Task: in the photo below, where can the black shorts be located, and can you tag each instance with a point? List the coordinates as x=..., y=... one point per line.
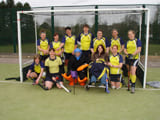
x=49, y=78
x=67, y=56
x=115, y=78
x=43, y=57
x=131, y=62
x=87, y=53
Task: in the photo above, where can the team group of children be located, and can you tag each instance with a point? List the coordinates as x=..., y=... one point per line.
x=82, y=53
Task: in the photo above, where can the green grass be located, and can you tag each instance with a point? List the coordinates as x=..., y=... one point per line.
x=154, y=49
x=27, y=102
x=30, y=48
x=26, y=48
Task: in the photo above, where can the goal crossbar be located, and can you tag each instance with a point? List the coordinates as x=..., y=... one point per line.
x=84, y=10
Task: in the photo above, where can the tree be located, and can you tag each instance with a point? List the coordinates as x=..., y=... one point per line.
x=19, y=5
x=10, y=3
x=2, y=4
x=27, y=6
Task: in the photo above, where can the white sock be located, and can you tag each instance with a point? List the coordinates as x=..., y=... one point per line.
x=113, y=87
x=118, y=88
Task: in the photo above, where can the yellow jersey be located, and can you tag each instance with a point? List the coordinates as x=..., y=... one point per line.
x=132, y=46
x=43, y=45
x=85, y=40
x=56, y=45
x=53, y=64
x=115, y=60
x=96, y=42
x=69, y=43
x=119, y=42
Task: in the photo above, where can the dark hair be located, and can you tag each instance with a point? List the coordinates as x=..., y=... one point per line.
x=67, y=28
x=115, y=46
x=86, y=25
x=103, y=52
x=99, y=31
x=55, y=34
x=132, y=31
x=114, y=30
x=51, y=49
x=42, y=31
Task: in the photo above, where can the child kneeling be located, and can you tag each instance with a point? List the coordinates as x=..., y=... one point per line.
x=36, y=70
x=52, y=65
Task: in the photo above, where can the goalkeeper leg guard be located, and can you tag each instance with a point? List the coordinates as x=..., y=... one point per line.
x=69, y=78
x=82, y=67
x=83, y=81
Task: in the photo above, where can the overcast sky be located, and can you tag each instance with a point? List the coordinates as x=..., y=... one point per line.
x=39, y=3
x=65, y=21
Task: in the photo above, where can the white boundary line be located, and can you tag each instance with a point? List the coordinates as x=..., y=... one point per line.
x=124, y=88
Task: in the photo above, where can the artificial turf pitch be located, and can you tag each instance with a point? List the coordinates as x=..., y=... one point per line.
x=26, y=102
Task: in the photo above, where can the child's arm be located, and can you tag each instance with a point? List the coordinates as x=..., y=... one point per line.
x=117, y=66
x=40, y=49
x=28, y=74
x=40, y=75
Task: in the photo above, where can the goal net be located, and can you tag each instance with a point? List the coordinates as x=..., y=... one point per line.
x=55, y=20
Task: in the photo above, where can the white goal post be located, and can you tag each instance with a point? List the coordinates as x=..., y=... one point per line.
x=146, y=10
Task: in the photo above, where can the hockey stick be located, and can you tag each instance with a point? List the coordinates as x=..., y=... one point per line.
x=107, y=85
x=67, y=90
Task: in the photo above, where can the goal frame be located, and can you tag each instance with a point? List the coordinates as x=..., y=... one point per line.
x=146, y=10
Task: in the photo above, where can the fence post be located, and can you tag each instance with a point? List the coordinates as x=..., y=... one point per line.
x=14, y=33
x=52, y=21
x=143, y=30
x=96, y=20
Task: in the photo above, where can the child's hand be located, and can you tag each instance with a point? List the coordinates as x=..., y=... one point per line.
x=37, y=81
x=53, y=78
x=57, y=49
x=27, y=75
x=73, y=53
x=45, y=52
x=110, y=64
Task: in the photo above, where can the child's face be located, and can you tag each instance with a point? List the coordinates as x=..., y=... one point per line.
x=56, y=37
x=114, y=49
x=52, y=53
x=100, y=49
x=131, y=35
x=37, y=60
x=68, y=32
x=114, y=33
x=85, y=29
x=99, y=34
x=43, y=36
x=77, y=54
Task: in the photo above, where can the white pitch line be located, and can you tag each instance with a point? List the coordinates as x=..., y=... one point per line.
x=27, y=83
x=15, y=82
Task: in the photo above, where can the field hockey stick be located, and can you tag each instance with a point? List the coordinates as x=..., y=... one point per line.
x=67, y=90
x=74, y=76
x=42, y=86
x=107, y=85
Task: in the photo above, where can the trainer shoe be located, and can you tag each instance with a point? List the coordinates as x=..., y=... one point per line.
x=102, y=86
x=93, y=84
x=133, y=90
